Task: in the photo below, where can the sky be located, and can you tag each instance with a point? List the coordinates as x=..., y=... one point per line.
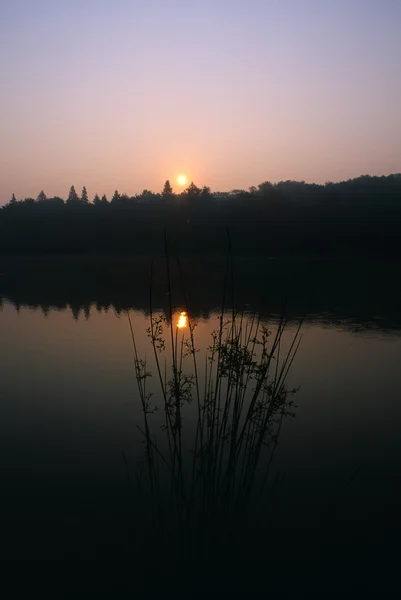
x=124, y=94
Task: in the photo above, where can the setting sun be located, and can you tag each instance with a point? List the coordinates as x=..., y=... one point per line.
x=182, y=179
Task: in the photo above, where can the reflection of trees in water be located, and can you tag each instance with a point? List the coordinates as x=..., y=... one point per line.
x=342, y=292
x=339, y=318
x=209, y=450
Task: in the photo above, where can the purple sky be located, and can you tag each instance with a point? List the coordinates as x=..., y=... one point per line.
x=128, y=93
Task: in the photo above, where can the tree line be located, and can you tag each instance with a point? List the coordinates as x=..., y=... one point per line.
x=74, y=199
x=364, y=189
x=361, y=215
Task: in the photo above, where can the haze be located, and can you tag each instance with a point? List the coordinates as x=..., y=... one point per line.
x=126, y=94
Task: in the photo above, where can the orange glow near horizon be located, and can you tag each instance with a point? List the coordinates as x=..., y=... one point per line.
x=182, y=111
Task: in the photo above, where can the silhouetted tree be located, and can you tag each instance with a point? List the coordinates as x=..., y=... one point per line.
x=84, y=196
x=72, y=196
x=220, y=195
x=351, y=217
x=238, y=192
x=265, y=188
x=41, y=197
x=13, y=199
x=167, y=193
x=192, y=191
x=116, y=198
x=206, y=192
x=148, y=196
x=56, y=200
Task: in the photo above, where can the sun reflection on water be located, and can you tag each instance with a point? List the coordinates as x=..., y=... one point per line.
x=182, y=320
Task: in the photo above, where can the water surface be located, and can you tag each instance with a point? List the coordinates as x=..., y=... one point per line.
x=69, y=410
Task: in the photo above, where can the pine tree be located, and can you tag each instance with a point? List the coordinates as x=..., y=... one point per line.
x=116, y=198
x=96, y=200
x=167, y=192
x=104, y=199
x=41, y=197
x=72, y=196
x=84, y=196
x=13, y=199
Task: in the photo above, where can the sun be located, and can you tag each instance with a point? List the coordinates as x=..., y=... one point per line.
x=182, y=179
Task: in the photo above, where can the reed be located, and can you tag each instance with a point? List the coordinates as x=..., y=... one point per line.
x=222, y=411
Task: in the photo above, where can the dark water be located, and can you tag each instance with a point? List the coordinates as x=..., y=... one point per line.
x=69, y=407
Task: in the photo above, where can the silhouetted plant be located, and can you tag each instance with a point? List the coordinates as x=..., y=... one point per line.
x=240, y=396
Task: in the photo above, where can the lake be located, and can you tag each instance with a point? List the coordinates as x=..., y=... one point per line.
x=70, y=445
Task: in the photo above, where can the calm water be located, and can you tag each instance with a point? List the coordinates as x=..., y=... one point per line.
x=69, y=406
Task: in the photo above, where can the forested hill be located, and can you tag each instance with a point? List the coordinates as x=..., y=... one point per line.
x=359, y=216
